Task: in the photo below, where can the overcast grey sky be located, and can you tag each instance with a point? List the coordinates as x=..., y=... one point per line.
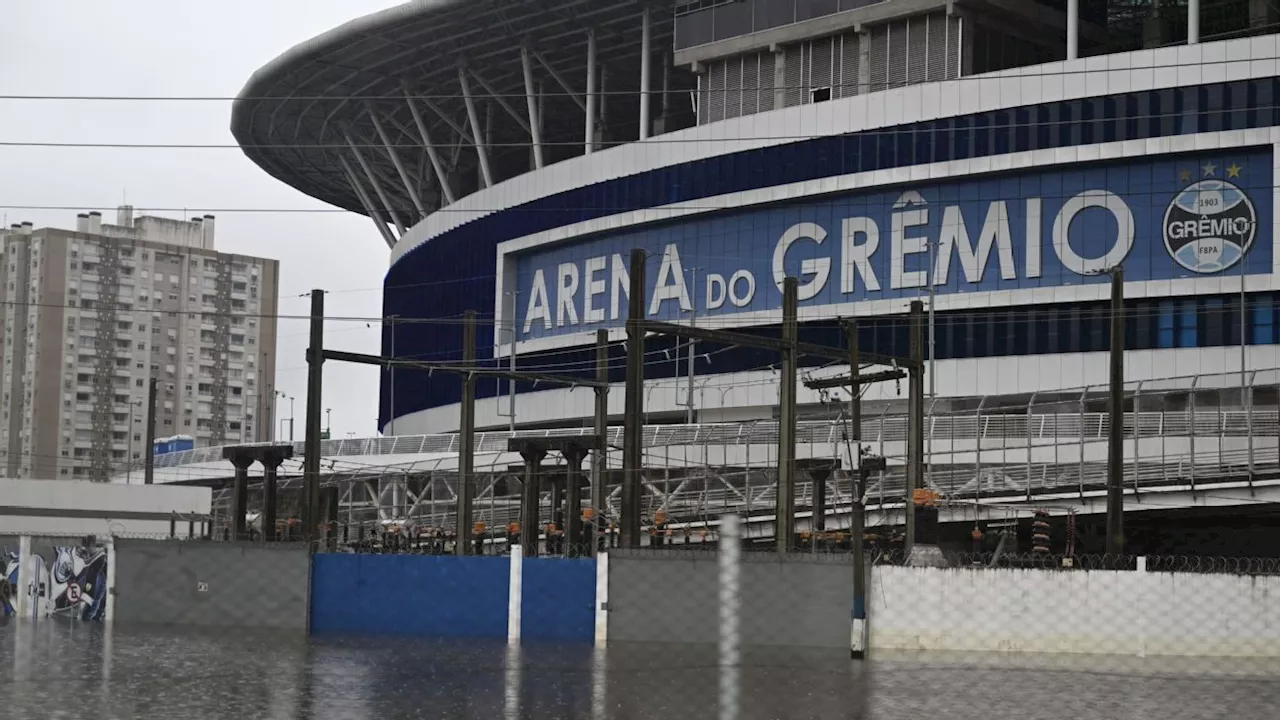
x=163, y=47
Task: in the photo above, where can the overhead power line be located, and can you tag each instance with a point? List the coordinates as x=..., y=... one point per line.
x=888, y=131
x=520, y=94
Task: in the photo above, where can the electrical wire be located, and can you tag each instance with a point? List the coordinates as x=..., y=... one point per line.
x=657, y=140
x=1013, y=73
x=601, y=211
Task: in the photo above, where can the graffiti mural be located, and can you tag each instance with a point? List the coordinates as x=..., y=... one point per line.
x=75, y=581
x=57, y=579
x=9, y=581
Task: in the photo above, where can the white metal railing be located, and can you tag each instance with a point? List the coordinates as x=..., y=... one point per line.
x=707, y=493
x=1059, y=427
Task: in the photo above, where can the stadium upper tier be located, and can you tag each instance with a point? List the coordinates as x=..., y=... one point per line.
x=380, y=115
x=400, y=113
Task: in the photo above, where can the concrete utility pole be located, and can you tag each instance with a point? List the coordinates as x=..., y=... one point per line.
x=598, y=472
x=857, y=511
x=311, y=445
x=633, y=414
x=915, y=424
x=785, y=519
x=1115, y=435
x=149, y=464
x=467, y=438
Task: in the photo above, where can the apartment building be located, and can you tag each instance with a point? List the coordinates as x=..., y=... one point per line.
x=91, y=315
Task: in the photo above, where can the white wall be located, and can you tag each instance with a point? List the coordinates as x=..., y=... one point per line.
x=1044, y=611
x=62, y=507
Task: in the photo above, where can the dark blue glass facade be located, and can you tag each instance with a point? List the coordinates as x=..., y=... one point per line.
x=454, y=271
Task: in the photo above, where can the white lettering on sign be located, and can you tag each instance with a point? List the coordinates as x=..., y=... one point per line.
x=716, y=291
x=817, y=268
x=566, y=289
x=1209, y=228
x=856, y=255
x=591, y=313
x=538, y=308
x=742, y=288
x=621, y=286
x=670, y=284
x=973, y=261
x=1108, y=201
x=1033, y=237
x=579, y=287
x=901, y=244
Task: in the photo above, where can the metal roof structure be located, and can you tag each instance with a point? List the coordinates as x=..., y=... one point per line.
x=381, y=115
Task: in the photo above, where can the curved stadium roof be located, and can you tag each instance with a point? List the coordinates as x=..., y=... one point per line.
x=298, y=116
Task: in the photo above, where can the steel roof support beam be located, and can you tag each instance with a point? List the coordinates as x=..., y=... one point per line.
x=478, y=136
x=646, y=82
x=373, y=180
x=440, y=113
x=442, y=178
x=531, y=97
x=590, y=142
x=501, y=99
x=559, y=79
x=395, y=160
x=373, y=213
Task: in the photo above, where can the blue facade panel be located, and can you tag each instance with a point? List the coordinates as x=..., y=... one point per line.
x=411, y=595
x=1164, y=218
x=454, y=272
x=558, y=599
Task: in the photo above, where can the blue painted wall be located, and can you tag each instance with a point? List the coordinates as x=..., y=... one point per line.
x=410, y=595
x=558, y=599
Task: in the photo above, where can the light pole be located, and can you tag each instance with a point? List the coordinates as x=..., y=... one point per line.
x=285, y=396
x=128, y=473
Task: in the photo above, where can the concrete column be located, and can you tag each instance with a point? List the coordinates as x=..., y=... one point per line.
x=529, y=520
x=270, y=472
x=240, y=497
x=328, y=516
x=780, y=76
x=557, y=512
x=574, y=456
x=820, y=474
x=1193, y=22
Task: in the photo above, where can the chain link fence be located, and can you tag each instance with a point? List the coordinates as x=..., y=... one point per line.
x=720, y=626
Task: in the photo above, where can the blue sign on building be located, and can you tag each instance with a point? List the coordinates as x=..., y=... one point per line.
x=1163, y=218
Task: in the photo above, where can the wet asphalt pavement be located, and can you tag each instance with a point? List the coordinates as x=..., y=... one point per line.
x=59, y=669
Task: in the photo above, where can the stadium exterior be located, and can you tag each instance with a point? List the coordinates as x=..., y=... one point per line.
x=859, y=149
x=994, y=159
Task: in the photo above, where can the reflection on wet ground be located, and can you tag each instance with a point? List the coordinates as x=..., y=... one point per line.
x=62, y=670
